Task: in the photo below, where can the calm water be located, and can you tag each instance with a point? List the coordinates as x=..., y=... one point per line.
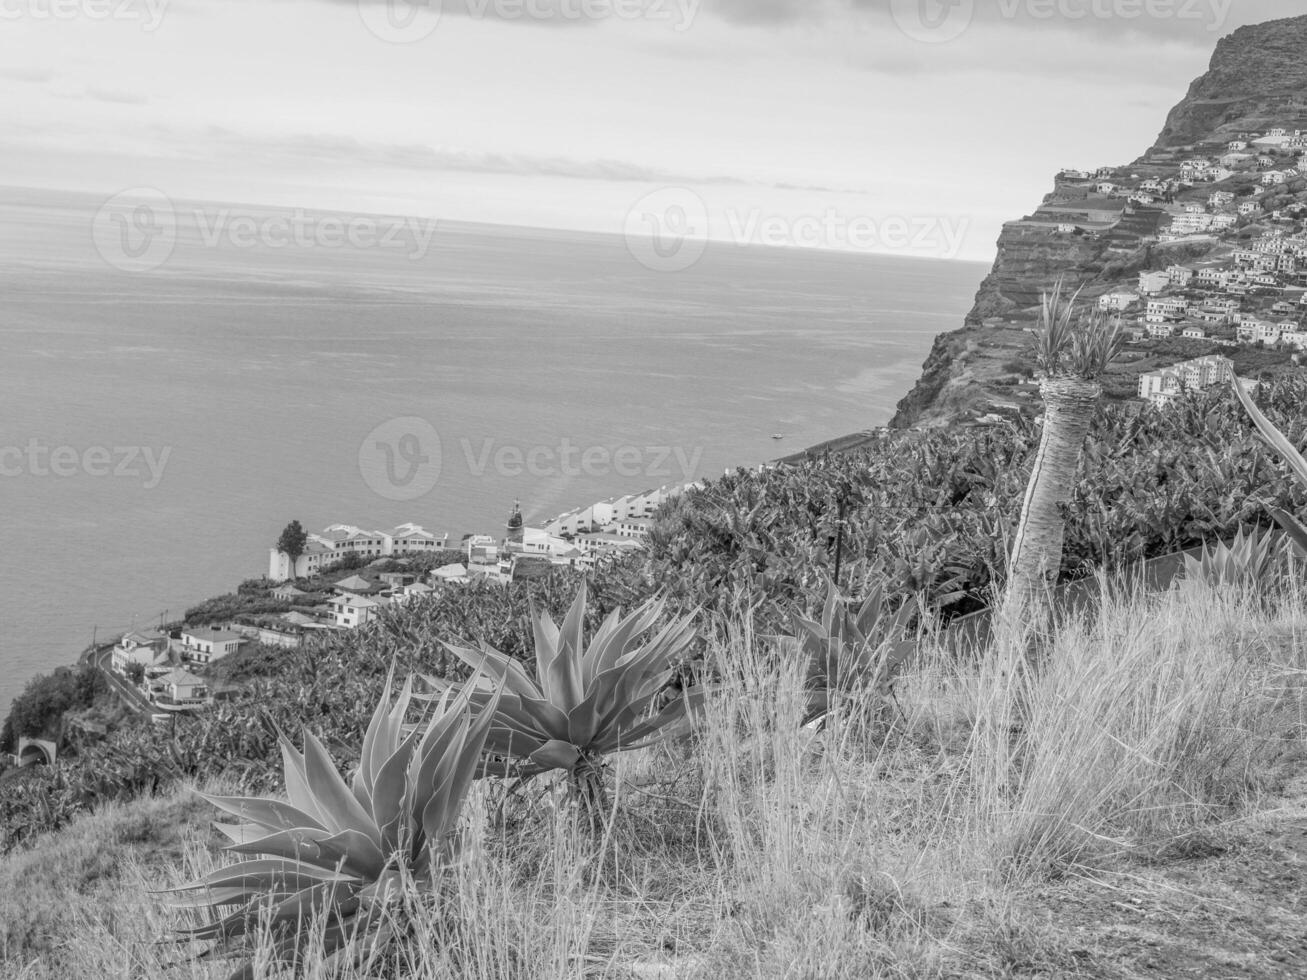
x=193, y=410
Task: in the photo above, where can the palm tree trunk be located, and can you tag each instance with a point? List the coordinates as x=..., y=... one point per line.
x=1069, y=405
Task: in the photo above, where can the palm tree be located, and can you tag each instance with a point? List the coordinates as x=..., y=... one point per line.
x=1072, y=352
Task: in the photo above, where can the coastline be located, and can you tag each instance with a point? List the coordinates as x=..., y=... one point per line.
x=841, y=444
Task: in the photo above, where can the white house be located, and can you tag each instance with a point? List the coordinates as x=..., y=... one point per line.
x=1252, y=331
x=481, y=549
x=144, y=647
x=1117, y=302
x=1191, y=223
x=180, y=689
x=413, y=539
x=574, y=522
x=1161, y=387
x=203, y=646
x=352, y=611
x=316, y=557
x=635, y=527
x=1295, y=338
x=450, y=573
x=1164, y=310
x=537, y=541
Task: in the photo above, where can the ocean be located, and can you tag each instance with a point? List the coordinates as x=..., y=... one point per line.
x=161, y=423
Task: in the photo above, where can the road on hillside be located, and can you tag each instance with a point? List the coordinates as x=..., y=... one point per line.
x=102, y=660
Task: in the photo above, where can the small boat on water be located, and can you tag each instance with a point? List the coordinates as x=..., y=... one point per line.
x=777, y=435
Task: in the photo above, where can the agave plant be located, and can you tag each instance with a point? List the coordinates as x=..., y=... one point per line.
x=852, y=648
x=585, y=703
x=335, y=855
x=1248, y=561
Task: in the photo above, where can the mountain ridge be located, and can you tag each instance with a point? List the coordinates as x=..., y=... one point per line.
x=1257, y=77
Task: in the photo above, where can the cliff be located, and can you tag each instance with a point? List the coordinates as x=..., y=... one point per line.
x=1257, y=76
x=1257, y=81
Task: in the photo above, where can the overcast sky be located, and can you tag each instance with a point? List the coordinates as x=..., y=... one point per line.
x=809, y=121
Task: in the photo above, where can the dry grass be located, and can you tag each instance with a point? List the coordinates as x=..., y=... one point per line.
x=894, y=841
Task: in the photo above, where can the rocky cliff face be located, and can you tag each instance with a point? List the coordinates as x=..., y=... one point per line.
x=1257, y=79
x=1257, y=76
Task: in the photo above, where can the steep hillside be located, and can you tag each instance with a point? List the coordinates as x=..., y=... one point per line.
x=1258, y=76
x=1101, y=228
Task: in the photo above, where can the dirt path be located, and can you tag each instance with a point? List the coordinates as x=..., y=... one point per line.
x=1235, y=906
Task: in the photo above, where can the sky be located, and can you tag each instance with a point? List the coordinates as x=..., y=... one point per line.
x=913, y=127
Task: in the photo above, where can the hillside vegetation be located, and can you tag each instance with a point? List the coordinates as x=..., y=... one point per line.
x=832, y=801
x=1143, y=823
x=928, y=515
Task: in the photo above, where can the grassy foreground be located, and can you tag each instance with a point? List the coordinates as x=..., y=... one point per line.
x=1140, y=811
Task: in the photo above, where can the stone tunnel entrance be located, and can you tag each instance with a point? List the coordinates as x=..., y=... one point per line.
x=34, y=751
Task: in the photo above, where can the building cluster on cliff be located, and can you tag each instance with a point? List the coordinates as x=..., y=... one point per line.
x=1214, y=240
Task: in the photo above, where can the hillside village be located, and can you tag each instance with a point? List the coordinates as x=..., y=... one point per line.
x=1233, y=215
x=1200, y=249
x=348, y=575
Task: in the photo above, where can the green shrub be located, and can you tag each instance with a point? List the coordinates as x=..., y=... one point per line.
x=38, y=711
x=224, y=608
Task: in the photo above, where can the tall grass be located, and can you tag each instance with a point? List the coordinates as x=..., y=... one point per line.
x=891, y=841
x=1148, y=722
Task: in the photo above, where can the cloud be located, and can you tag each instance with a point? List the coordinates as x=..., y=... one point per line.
x=1189, y=22
x=1196, y=23
x=764, y=11
x=33, y=76
x=116, y=97
x=305, y=151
